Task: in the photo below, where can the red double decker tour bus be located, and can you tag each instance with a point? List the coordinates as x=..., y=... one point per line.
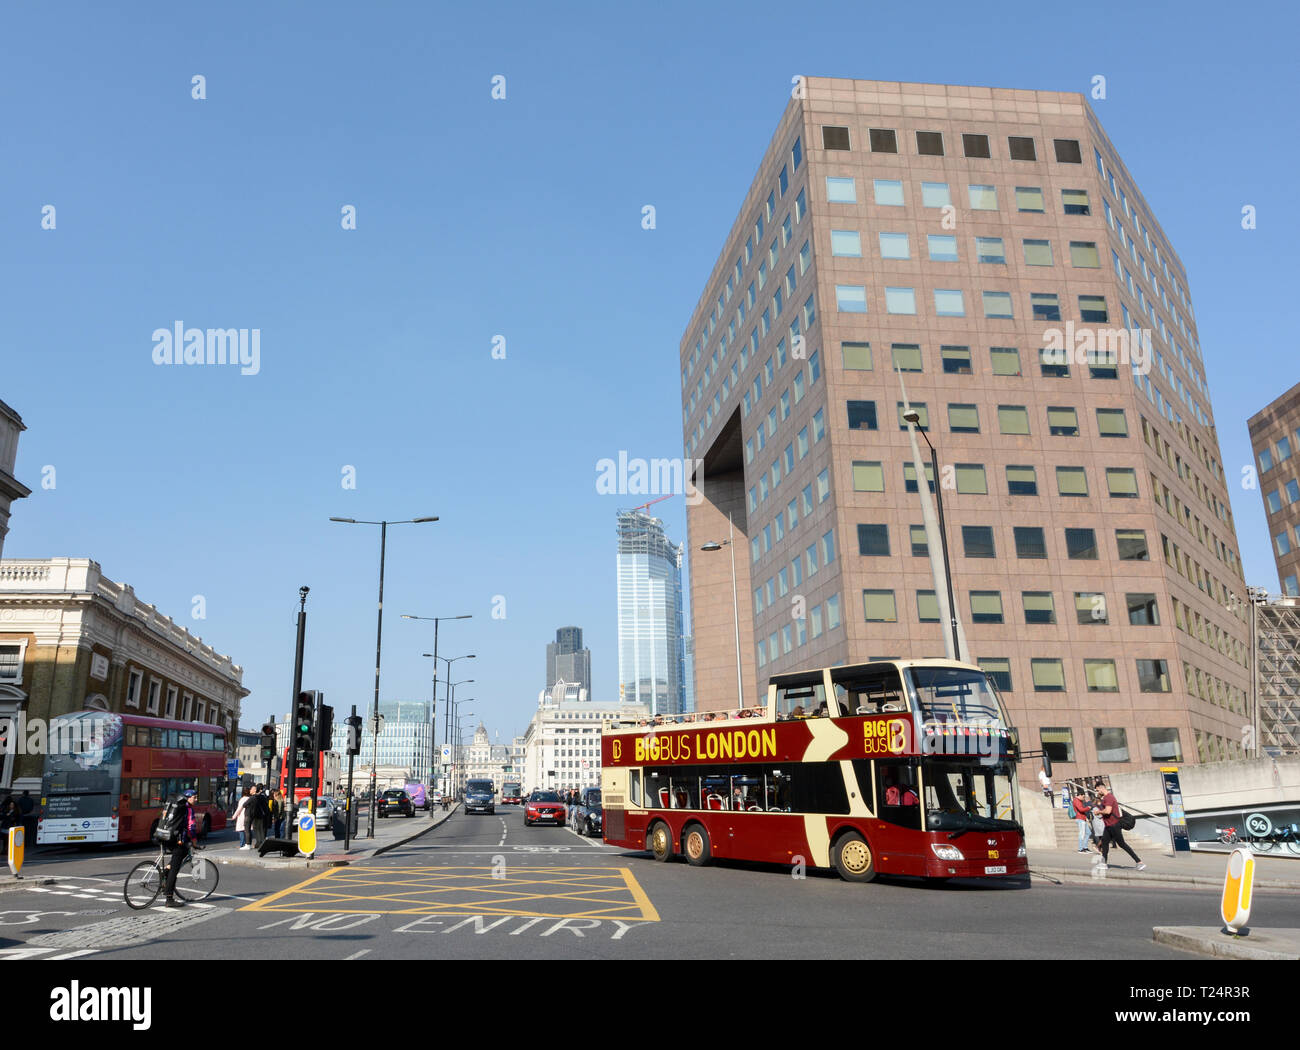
x=900, y=767
x=108, y=776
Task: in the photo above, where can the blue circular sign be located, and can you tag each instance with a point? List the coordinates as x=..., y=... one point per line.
x=306, y=822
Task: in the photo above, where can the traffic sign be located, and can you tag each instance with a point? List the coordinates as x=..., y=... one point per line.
x=16, y=850
x=232, y=769
x=1237, y=885
x=307, y=833
x=446, y=756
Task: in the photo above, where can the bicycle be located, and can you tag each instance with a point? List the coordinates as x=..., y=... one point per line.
x=1284, y=836
x=1228, y=836
x=195, y=882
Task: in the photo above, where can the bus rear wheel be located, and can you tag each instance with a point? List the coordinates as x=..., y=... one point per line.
x=853, y=859
x=695, y=844
x=660, y=842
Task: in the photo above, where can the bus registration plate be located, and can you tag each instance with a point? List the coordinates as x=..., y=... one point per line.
x=996, y=869
x=73, y=838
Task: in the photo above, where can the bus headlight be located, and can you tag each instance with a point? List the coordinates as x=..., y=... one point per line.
x=946, y=852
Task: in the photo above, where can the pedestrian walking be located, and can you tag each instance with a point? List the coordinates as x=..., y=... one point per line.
x=241, y=818
x=259, y=815
x=1111, y=815
x=10, y=816
x=1045, y=780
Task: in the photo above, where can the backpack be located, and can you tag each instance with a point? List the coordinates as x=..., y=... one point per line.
x=1126, y=820
x=168, y=831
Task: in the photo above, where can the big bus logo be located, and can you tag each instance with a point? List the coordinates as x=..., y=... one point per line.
x=618, y=750
x=884, y=737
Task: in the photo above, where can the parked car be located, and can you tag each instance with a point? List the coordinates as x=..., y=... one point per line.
x=585, y=817
x=543, y=805
x=395, y=800
x=324, y=813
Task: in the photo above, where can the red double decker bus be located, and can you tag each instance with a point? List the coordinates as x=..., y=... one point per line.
x=108, y=776
x=903, y=767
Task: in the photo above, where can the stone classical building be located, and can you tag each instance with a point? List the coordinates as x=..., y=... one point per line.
x=562, y=742
x=11, y=425
x=989, y=248
x=71, y=639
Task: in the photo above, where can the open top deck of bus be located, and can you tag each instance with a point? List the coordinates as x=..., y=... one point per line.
x=875, y=687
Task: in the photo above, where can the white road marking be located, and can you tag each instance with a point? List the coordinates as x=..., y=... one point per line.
x=357, y=955
x=504, y=831
x=73, y=955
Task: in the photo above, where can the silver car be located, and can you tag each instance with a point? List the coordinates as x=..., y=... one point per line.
x=324, y=812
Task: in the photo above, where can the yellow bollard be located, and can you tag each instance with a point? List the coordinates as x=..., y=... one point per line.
x=16, y=851
x=1237, y=885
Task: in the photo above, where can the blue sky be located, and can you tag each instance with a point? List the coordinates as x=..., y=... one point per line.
x=476, y=218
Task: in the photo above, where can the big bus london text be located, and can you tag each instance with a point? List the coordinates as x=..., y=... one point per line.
x=891, y=767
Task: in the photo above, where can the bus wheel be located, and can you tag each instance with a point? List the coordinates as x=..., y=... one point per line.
x=660, y=842
x=852, y=858
x=695, y=844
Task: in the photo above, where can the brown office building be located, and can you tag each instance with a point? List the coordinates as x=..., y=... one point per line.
x=989, y=247
x=1275, y=440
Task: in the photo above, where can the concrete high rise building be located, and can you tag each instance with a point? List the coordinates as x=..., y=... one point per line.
x=1275, y=440
x=567, y=660
x=989, y=248
x=650, y=653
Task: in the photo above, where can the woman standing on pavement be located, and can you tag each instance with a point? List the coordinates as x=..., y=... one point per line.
x=241, y=819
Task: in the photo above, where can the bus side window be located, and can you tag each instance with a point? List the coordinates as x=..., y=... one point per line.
x=634, y=786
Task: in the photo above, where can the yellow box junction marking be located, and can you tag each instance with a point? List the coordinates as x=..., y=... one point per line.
x=546, y=892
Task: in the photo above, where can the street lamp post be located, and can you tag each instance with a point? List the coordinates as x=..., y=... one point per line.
x=915, y=419
x=379, y=638
x=451, y=701
x=713, y=545
x=433, y=713
x=460, y=746
x=448, y=661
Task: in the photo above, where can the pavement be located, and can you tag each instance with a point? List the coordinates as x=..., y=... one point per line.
x=389, y=833
x=1164, y=867
x=1195, y=869
x=224, y=849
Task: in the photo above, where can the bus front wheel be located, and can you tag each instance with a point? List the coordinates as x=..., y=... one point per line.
x=695, y=844
x=853, y=859
x=660, y=842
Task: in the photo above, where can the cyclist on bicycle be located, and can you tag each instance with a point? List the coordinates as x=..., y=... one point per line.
x=182, y=848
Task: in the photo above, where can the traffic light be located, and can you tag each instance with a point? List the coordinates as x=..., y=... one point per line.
x=325, y=728
x=268, y=741
x=304, y=719
x=354, y=734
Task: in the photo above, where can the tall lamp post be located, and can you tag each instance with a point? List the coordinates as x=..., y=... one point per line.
x=433, y=713
x=915, y=419
x=448, y=662
x=460, y=742
x=379, y=637
x=713, y=545
x=451, y=702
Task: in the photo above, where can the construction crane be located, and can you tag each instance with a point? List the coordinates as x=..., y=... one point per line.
x=643, y=506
